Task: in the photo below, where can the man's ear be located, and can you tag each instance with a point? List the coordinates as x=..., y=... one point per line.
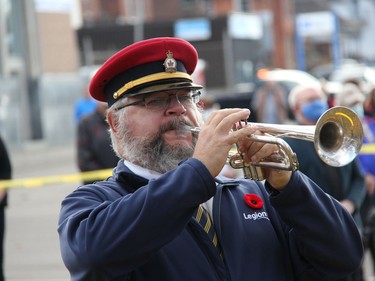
x=112, y=120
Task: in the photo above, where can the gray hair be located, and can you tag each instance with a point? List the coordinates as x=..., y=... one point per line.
x=299, y=90
x=117, y=115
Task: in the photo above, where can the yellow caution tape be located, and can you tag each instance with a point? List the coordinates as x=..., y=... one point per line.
x=69, y=178
x=95, y=175
x=368, y=148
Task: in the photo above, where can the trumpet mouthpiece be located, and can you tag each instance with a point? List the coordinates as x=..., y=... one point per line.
x=195, y=130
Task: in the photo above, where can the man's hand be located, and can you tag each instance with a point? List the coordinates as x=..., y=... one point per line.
x=254, y=152
x=216, y=138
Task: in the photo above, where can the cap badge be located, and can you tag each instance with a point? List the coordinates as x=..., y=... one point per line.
x=170, y=63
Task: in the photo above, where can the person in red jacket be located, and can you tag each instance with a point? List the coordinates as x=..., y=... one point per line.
x=145, y=222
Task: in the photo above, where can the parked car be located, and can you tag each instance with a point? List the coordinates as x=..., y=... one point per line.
x=288, y=78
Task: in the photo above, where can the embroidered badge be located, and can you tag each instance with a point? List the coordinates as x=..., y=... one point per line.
x=253, y=200
x=170, y=63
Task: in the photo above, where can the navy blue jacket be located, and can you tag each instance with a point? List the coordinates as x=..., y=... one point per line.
x=348, y=184
x=128, y=228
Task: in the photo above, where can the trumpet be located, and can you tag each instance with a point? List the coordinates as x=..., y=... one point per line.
x=337, y=138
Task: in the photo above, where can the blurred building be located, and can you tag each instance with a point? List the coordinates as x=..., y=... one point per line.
x=48, y=47
x=39, y=64
x=58, y=43
x=234, y=37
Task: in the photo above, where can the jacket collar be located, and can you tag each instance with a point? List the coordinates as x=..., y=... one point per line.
x=127, y=179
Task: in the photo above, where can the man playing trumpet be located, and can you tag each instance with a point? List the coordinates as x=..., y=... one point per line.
x=143, y=223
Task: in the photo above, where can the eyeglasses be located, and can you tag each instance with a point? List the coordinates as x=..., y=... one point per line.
x=162, y=101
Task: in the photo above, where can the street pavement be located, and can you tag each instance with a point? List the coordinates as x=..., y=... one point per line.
x=31, y=244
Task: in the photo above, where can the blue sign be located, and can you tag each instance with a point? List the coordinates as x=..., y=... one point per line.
x=193, y=29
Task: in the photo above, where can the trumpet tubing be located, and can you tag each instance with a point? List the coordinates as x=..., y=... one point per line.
x=337, y=138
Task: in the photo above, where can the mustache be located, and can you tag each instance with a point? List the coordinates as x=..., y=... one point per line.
x=179, y=124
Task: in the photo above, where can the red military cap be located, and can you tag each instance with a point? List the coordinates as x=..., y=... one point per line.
x=148, y=66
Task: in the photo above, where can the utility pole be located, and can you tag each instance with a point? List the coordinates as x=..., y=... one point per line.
x=135, y=13
x=4, y=40
x=26, y=49
x=278, y=11
x=139, y=22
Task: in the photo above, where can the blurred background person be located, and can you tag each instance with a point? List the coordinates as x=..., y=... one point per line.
x=5, y=174
x=369, y=104
x=271, y=103
x=85, y=105
x=346, y=184
x=94, y=150
x=352, y=97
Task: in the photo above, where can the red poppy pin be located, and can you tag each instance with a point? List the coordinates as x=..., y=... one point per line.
x=253, y=200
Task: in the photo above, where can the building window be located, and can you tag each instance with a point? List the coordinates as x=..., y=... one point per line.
x=198, y=7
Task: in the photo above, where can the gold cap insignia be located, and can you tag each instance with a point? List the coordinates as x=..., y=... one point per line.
x=170, y=63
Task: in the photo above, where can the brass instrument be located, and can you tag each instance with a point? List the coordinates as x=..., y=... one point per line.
x=337, y=138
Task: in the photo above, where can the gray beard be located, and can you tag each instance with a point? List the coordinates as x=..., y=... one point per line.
x=154, y=153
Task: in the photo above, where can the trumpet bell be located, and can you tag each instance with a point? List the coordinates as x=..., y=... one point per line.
x=338, y=136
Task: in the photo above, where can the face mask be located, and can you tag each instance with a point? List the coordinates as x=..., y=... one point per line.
x=314, y=110
x=358, y=109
